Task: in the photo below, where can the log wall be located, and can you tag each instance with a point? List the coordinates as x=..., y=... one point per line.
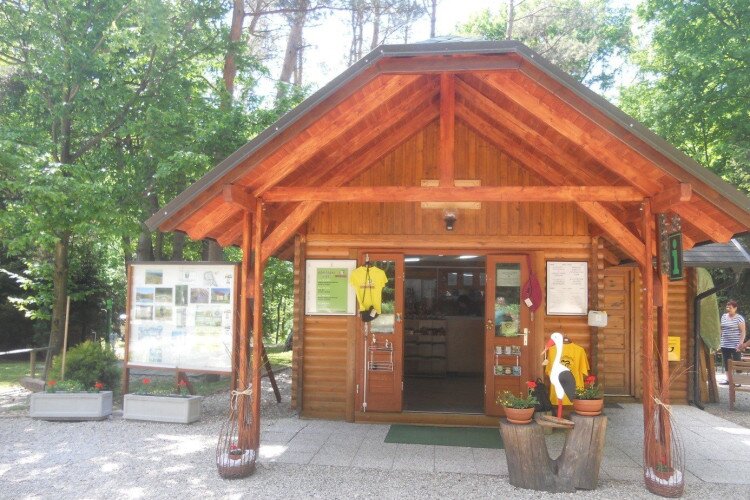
x=546, y=231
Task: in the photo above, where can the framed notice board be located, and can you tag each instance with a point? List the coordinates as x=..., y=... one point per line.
x=327, y=288
x=567, y=288
x=181, y=315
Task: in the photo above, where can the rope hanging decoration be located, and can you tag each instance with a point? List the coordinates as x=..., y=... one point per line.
x=235, y=453
x=663, y=453
x=235, y=456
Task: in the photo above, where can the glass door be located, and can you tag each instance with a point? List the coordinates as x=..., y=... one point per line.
x=507, y=356
x=380, y=342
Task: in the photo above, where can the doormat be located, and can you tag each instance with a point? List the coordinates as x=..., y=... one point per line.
x=470, y=437
x=612, y=405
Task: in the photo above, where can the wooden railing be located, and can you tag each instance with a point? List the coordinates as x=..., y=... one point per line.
x=32, y=356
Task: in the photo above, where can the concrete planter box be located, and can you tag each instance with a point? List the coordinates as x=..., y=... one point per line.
x=175, y=409
x=71, y=406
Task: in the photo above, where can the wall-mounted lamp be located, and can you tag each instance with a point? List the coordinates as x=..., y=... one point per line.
x=449, y=216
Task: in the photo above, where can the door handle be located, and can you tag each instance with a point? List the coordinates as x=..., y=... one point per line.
x=525, y=336
x=490, y=325
x=398, y=317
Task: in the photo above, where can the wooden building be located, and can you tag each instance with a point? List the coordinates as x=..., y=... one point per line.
x=529, y=169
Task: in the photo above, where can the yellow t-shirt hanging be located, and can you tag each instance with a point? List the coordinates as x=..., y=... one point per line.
x=369, y=291
x=573, y=357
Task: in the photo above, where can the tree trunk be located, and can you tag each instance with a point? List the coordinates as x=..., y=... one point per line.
x=212, y=251
x=511, y=17
x=145, y=251
x=178, y=245
x=376, y=15
x=60, y=292
x=159, y=246
x=235, y=35
x=433, y=18
x=126, y=249
x=294, y=44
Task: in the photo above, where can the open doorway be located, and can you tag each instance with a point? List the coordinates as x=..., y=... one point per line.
x=444, y=301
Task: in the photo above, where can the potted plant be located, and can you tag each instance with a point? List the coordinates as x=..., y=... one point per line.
x=236, y=462
x=160, y=404
x=589, y=400
x=519, y=409
x=72, y=401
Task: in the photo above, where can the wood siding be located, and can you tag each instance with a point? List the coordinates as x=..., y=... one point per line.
x=476, y=159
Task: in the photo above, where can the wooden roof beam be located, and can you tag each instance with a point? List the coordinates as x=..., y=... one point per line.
x=676, y=194
x=446, y=165
x=238, y=195
x=396, y=194
x=442, y=63
x=557, y=114
x=712, y=228
x=474, y=93
x=614, y=229
x=363, y=122
x=411, y=122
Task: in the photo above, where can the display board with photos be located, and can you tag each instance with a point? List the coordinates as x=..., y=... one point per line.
x=181, y=316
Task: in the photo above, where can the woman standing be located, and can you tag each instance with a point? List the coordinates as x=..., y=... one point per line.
x=732, y=335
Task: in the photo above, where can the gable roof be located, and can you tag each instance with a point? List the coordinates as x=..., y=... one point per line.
x=504, y=77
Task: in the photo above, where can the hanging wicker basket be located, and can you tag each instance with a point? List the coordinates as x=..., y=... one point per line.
x=235, y=455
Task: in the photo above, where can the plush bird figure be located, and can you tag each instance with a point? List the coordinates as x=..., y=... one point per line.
x=560, y=376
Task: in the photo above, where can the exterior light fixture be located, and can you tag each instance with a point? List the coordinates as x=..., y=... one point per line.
x=449, y=216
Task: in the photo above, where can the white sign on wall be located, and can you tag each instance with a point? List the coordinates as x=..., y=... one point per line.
x=567, y=288
x=181, y=316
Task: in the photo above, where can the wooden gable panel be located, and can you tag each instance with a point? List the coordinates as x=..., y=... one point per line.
x=417, y=159
x=363, y=113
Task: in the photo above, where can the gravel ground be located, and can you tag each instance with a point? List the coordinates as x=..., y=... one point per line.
x=127, y=459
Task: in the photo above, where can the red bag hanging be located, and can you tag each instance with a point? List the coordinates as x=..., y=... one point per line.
x=531, y=292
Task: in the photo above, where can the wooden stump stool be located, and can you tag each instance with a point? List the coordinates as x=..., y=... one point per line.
x=529, y=463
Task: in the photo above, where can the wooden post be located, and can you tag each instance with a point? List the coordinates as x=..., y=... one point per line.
x=32, y=363
x=65, y=337
x=257, y=321
x=245, y=433
x=125, y=381
x=647, y=274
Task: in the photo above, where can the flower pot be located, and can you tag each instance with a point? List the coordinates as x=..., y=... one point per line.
x=71, y=406
x=175, y=409
x=519, y=415
x=588, y=407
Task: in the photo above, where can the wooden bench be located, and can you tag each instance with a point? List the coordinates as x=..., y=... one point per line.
x=738, y=372
x=577, y=467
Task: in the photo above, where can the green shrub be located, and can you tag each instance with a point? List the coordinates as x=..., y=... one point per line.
x=88, y=363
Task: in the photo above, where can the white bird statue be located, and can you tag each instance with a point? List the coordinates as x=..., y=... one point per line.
x=560, y=376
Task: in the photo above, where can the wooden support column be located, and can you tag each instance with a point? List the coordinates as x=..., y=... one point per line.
x=663, y=322
x=257, y=321
x=245, y=433
x=647, y=274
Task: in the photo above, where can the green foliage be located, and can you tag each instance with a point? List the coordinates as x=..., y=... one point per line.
x=510, y=400
x=88, y=363
x=695, y=76
x=65, y=386
x=278, y=299
x=583, y=37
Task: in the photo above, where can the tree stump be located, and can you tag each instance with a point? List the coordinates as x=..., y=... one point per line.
x=529, y=463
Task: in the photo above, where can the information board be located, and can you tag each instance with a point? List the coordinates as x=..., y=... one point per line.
x=181, y=315
x=327, y=288
x=567, y=288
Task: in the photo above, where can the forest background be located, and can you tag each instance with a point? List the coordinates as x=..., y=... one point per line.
x=110, y=108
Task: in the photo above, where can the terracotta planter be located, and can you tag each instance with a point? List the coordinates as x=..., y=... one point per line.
x=588, y=407
x=519, y=415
